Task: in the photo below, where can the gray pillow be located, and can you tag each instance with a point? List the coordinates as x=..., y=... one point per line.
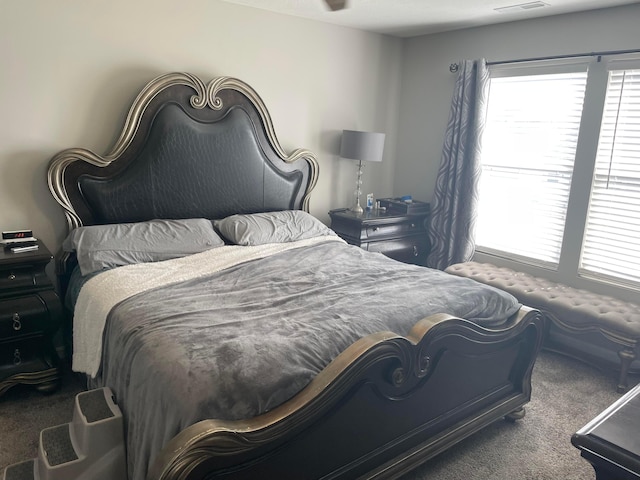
x=106, y=246
x=271, y=227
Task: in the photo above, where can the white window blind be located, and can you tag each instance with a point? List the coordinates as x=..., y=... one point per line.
x=611, y=246
x=528, y=153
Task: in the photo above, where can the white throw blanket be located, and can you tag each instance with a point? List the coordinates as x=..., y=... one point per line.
x=102, y=292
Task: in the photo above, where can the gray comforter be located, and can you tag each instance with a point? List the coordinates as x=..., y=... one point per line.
x=244, y=340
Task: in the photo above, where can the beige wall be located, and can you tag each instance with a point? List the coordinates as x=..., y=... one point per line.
x=70, y=68
x=427, y=84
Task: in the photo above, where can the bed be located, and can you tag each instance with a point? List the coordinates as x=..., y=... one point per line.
x=267, y=347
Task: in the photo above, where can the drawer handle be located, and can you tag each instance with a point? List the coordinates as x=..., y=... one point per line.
x=17, y=324
x=17, y=359
x=375, y=229
x=415, y=251
x=12, y=276
x=413, y=225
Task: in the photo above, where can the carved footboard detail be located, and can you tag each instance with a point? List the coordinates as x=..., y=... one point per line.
x=385, y=405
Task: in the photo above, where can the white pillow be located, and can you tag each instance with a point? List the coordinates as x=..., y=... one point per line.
x=271, y=227
x=106, y=246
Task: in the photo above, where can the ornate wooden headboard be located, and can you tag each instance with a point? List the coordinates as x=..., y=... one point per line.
x=187, y=150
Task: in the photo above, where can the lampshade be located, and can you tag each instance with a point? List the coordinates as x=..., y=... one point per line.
x=362, y=145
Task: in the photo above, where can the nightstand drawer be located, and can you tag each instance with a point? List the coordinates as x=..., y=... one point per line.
x=411, y=249
x=22, y=316
x=19, y=354
x=395, y=229
x=18, y=277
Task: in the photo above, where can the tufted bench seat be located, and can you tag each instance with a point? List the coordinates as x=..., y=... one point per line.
x=583, y=324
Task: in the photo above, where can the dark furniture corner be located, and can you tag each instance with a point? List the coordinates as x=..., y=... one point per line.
x=610, y=442
x=400, y=236
x=30, y=314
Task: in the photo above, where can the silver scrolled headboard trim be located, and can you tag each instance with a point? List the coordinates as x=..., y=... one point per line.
x=204, y=96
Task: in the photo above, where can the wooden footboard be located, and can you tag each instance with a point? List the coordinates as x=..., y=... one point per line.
x=385, y=405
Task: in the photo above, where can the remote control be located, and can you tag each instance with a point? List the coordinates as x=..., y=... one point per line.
x=24, y=249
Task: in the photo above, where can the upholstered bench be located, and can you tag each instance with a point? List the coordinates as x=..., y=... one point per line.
x=582, y=324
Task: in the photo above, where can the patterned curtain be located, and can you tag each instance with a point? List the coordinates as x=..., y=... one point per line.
x=453, y=209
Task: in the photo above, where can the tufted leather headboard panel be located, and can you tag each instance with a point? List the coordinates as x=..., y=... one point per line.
x=188, y=169
x=187, y=150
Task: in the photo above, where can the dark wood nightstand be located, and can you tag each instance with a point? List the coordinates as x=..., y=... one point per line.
x=610, y=442
x=402, y=237
x=30, y=314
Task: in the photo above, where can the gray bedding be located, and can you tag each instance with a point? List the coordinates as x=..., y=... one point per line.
x=242, y=341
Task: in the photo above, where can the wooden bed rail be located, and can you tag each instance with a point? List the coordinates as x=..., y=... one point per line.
x=406, y=400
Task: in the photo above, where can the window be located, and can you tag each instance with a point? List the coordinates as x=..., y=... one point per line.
x=528, y=153
x=560, y=183
x=611, y=247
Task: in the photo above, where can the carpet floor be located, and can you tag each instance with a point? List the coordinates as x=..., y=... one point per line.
x=566, y=395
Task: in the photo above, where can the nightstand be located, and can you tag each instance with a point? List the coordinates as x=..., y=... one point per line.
x=400, y=236
x=30, y=314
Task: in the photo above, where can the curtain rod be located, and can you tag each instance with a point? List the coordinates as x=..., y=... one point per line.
x=454, y=66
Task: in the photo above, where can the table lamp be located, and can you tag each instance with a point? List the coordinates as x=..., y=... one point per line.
x=361, y=146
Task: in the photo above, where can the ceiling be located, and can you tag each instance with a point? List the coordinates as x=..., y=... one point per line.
x=407, y=18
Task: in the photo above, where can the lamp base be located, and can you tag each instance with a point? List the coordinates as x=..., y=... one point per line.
x=357, y=208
